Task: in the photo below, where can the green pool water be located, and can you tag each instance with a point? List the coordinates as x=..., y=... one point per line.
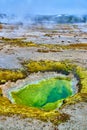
x=47, y=94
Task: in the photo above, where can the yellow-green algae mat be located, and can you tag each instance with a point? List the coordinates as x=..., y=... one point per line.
x=7, y=108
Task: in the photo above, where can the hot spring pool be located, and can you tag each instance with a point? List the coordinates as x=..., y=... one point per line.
x=47, y=94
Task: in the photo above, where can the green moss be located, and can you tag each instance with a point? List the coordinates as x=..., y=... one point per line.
x=35, y=66
x=1, y=92
x=12, y=75
x=82, y=73
x=18, y=42
x=8, y=109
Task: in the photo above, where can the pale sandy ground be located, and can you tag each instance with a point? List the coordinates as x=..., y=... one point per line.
x=11, y=58
x=16, y=123
x=78, y=119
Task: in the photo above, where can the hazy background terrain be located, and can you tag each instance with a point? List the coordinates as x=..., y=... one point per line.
x=43, y=11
